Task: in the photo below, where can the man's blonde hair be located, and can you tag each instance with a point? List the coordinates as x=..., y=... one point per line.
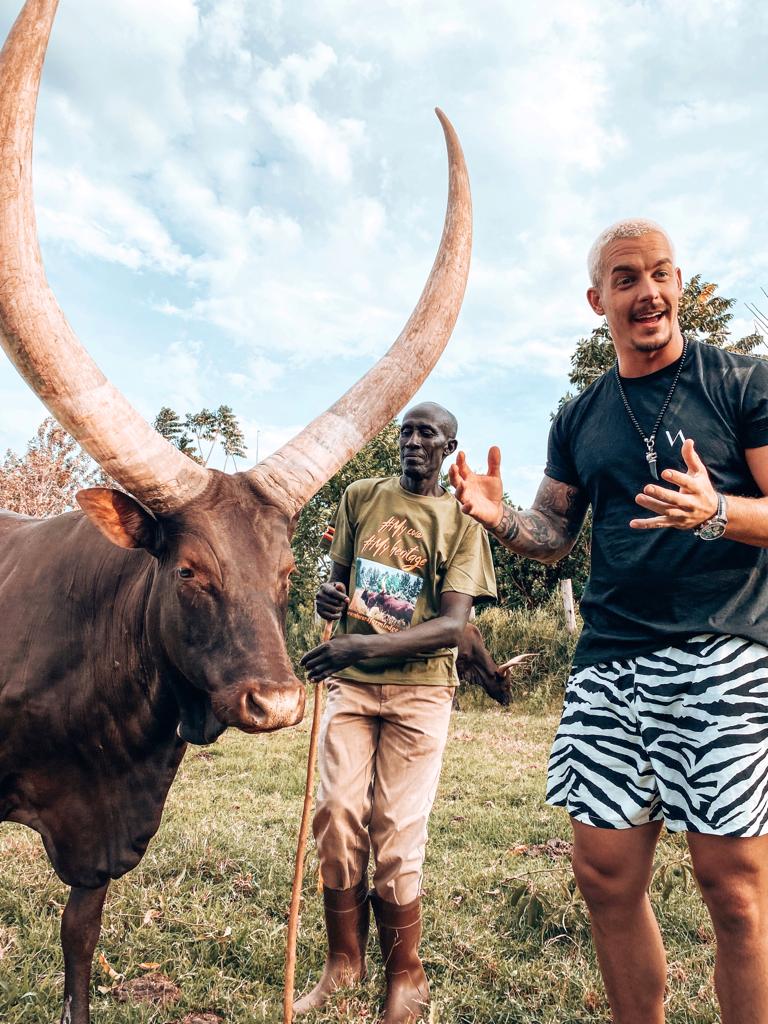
x=632, y=228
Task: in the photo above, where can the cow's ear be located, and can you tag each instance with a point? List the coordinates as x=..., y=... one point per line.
x=119, y=517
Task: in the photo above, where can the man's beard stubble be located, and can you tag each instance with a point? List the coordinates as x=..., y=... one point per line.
x=651, y=346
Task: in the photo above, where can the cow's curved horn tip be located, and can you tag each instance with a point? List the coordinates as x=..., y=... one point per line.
x=518, y=660
x=448, y=129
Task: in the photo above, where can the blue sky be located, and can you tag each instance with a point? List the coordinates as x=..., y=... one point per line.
x=239, y=201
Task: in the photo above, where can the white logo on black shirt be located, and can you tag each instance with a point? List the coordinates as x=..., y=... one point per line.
x=672, y=440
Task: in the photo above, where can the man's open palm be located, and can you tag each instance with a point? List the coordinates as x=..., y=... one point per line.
x=480, y=495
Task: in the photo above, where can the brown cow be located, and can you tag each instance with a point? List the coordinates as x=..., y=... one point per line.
x=474, y=664
x=398, y=608
x=153, y=617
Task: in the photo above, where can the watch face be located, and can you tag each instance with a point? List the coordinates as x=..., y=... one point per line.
x=713, y=530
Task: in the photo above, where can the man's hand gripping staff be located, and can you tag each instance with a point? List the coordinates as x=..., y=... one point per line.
x=334, y=653
x=547, y=531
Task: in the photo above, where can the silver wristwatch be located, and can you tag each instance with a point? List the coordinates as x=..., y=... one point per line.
x=714, y=527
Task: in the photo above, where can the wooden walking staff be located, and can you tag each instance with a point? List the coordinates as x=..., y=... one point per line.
x=298, y=871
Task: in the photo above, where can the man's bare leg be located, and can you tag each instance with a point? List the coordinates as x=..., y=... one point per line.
x=733, y=877
x=613, y=870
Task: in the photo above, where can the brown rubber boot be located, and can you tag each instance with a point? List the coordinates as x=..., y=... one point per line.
x=399, y=934
x=347, y=915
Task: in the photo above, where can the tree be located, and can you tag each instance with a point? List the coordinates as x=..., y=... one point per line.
x=705, y=316
x=232, y=437
x=206, y=428
x=380, y=457
x=168, y=423
x=45, y=480
x=54, y=468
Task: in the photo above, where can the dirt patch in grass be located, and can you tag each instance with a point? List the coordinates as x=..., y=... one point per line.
x=200, y=1017
x=154, y=988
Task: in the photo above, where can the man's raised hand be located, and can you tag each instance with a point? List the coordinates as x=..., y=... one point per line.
x=690, y=506
x=479, y=494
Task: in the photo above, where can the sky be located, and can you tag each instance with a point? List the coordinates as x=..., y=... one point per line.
x=239, y=201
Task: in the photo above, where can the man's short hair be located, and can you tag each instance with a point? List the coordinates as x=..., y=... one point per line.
x=450, y=425
x=441, y=415
x=631, y=228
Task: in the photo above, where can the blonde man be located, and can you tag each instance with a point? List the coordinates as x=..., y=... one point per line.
x=664, y=718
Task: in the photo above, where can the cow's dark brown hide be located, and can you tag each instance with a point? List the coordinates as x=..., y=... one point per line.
x=108, y=652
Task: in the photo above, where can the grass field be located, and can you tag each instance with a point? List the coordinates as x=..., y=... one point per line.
x=506, y=938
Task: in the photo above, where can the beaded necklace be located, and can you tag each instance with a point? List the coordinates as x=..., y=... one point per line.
x=650, y=441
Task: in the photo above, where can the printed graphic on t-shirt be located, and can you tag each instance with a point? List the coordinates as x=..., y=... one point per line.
x=384, y=597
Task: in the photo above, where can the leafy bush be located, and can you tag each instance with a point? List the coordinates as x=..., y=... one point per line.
x=548, y=902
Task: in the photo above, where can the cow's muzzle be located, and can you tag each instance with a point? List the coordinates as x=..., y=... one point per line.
x=267, y=706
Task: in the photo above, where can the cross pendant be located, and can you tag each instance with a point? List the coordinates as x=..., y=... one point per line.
x=651, y=459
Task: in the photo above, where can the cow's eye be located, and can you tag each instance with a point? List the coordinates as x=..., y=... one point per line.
x=185, y=573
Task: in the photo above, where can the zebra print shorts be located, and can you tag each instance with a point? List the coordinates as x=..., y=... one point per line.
x=680, y=735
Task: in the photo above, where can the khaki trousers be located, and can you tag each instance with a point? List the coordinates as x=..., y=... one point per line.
x=381, y=750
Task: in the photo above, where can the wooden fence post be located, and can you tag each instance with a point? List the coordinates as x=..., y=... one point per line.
x=566, y=589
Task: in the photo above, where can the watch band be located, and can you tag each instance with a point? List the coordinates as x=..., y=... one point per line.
x=714, y=527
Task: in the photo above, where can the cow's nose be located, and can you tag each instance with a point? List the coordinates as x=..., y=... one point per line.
x=265, y=707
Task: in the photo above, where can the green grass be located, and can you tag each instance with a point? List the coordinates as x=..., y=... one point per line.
x=506, y=940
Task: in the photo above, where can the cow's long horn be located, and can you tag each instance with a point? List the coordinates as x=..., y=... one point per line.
x=519, y=660
x=295, y=472
x=33, y=329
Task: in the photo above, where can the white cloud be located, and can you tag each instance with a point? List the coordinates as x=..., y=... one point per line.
x=278, y=229
x=123, y=77
x=224, y=28
x=702, y=115
x=558, y=113
x=295, y=75
x=183, y=371
x=410, y=31
x=362, y=69
x=262, y=375
x=102, y=221
x=284, y=99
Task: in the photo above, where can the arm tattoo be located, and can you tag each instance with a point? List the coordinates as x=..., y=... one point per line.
x=509, y=527
x=549, y=529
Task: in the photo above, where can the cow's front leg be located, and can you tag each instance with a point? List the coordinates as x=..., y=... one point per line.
x=80, y=928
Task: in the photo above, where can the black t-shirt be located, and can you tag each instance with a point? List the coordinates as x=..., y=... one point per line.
x=651, y=588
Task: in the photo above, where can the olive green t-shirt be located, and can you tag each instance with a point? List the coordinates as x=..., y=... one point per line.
x=404, y=551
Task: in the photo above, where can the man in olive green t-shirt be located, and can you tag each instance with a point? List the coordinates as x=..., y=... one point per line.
x=408, y=565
